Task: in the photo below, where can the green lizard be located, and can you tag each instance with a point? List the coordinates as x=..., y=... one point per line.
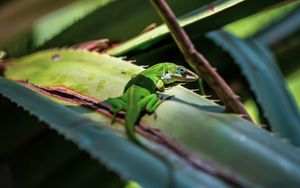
x=141, y=92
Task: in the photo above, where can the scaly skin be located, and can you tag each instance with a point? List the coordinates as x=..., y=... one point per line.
x=141, y=92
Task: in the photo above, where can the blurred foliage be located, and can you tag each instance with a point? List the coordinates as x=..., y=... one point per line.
x=132, y=184
x=17, y=18
x=249, y=26
x=53, y=23
x=294, y=85
x=222, y=139
x=251, y=107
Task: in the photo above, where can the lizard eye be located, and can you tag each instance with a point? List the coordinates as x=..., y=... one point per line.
x=181, y=70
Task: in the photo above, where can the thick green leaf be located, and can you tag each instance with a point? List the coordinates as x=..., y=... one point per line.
x=84, y=72
x=266, y=81
x=118, y=154
x=123, y=157
x=230, y=143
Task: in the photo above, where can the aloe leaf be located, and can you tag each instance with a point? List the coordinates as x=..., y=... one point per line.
x=64, y=67
x=92, y=59
x=266, y=81
x=120, y=155
x=228, y=142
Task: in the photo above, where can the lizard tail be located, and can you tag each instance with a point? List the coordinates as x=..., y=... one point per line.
x=131, y=118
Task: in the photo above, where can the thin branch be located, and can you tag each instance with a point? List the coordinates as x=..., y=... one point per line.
x=98, y=45
x=198, y=61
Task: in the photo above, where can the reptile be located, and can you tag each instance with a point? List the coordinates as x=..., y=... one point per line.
x=141, y=93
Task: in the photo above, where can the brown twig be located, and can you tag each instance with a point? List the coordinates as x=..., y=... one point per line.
x=98, y=45
x=199, y=62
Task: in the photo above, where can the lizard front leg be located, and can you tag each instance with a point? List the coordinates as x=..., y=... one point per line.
x=160, y=85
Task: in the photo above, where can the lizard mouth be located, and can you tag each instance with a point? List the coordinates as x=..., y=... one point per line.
x=188, y=76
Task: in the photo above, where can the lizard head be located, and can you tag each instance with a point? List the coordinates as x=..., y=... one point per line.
x=177, y=74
